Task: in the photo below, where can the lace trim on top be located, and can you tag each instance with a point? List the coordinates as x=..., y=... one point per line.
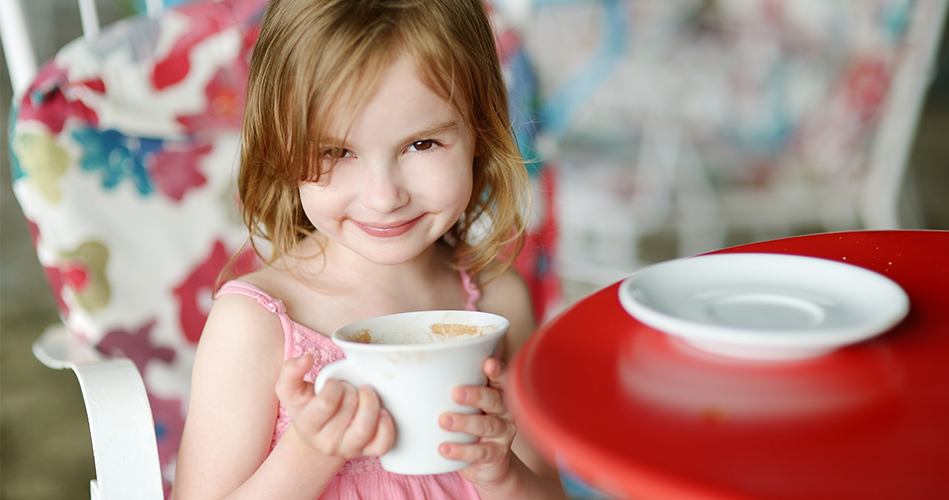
x=300, y=339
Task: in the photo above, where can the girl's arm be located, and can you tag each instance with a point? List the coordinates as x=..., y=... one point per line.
x=225, y=449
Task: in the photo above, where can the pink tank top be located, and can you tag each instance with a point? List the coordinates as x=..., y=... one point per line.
x=359, y=478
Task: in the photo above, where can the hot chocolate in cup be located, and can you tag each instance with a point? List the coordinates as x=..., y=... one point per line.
x=414, y=361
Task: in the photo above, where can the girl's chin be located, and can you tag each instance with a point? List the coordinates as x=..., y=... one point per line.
x=381, y=251
x=397, y=257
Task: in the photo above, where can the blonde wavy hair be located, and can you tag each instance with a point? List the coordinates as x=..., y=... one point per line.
x=307, y=57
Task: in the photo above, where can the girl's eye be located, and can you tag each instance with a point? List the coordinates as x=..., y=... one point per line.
x=336, y=153
x=423, y=145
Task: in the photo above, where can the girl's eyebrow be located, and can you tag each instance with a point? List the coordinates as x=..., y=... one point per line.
x=440, y=128
x=332, y=142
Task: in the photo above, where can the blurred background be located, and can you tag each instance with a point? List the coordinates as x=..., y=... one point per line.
x=652, y=130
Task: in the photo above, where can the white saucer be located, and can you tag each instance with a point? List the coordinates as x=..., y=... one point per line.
x=764, y=306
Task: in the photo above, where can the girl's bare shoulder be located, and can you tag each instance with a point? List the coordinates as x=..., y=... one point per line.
x=507, y=294
x=247, y=320
x=306, y=297
x=284, y=284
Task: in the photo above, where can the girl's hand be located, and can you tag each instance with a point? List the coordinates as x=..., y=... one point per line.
x=490, y=456
x=340, y=421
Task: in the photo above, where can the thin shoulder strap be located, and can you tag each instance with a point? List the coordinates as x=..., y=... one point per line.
x=471, y=288
x=272, y=304
x=237, y=287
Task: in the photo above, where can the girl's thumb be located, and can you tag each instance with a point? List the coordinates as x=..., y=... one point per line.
x=290, y=381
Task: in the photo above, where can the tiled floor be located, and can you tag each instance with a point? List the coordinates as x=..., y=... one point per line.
x=45, y=451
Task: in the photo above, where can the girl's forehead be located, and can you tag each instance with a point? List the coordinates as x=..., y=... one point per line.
x=341, y=110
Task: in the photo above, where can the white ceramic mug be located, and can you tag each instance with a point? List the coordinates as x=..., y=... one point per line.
x=414, y=361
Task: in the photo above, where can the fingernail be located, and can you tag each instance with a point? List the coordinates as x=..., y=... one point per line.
x=444, y=449
x=447, y=421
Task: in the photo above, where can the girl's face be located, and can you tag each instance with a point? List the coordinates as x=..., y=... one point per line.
x=402, y=175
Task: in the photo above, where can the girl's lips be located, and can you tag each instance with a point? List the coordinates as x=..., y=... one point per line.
x=387, y=230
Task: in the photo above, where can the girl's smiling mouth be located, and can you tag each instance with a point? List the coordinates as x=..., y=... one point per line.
x=387, y=230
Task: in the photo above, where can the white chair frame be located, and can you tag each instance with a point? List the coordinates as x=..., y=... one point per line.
x=120, y=419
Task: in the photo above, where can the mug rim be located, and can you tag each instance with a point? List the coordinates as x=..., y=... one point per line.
x=503, y=324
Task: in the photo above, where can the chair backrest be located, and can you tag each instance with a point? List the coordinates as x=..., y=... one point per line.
x=124, y=151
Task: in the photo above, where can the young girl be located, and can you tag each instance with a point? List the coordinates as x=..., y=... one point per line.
x=379, y=166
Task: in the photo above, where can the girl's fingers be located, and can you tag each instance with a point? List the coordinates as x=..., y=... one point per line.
x=291, y=389
x=494, y=428
x=362, y=427
x=322, y=420
x=325, y=405
x=338, y=418
x=348, y=422
x=494, y=370
x=478, y=453
x=483, y=426
x=486, y=399
x=384, y=438
x=310, y=417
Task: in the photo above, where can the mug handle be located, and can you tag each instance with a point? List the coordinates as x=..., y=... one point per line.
x=343, y=369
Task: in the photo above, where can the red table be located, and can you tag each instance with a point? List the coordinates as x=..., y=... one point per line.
x=639, y=415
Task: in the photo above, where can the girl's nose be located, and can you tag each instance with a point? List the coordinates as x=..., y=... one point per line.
x=384, y=190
